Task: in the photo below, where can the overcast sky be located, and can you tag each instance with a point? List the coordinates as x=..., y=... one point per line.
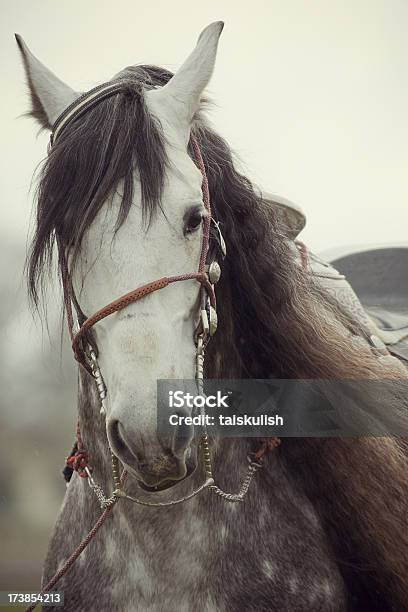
x=312, y=94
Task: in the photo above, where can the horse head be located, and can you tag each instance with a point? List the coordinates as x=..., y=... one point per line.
x=123, y=197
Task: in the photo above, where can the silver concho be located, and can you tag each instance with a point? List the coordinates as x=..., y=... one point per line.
x=214, y=272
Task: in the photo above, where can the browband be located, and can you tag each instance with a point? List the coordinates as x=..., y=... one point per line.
x=87, y=100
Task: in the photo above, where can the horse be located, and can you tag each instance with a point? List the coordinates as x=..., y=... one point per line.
x=137, y=187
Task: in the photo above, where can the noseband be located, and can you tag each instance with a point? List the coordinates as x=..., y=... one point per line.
x=85, y=349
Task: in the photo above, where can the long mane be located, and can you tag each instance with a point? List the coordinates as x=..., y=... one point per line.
x=273, y=321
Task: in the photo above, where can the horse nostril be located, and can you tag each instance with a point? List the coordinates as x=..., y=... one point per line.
x=115, y=435
x=161, y=461
x=118, y=441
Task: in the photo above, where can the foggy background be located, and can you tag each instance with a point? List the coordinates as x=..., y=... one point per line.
x=313, y=96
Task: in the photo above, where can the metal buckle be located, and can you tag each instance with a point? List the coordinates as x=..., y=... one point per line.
x=211, y=315
x=205, y=322
x=208, y=318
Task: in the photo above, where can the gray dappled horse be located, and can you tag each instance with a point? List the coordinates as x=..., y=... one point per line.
x=323, y=526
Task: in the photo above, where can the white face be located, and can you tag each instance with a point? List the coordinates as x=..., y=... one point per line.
x=152, y=338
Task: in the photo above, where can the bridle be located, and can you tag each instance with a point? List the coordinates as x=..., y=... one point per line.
x=85, y=350
x=206, y=275
x=86, y=353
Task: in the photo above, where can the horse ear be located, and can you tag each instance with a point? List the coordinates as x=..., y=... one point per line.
x=182, y=93
x=49, y=95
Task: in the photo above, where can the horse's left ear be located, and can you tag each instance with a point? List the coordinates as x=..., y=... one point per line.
x=49, y=95
x=182, y=93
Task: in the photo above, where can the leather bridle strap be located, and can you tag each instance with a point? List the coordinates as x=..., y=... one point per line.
x=134, y=296
x=82, y=104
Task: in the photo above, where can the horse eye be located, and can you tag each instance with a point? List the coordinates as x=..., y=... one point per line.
x=193, y=221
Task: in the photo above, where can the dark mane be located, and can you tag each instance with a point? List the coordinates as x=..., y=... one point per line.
x=273, y=319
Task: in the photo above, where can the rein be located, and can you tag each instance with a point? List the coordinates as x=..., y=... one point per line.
x=85, y=350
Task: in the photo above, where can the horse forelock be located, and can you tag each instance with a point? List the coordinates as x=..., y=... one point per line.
x=96, y=153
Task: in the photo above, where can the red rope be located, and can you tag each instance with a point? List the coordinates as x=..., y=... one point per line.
x=78, y=460
x=74, y=556
x=267, y=446
x=206, y=200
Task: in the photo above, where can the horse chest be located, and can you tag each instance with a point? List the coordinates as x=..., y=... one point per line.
x=228, y=559
x=267, y=553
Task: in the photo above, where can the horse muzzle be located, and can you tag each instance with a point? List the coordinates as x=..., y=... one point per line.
x=156, y=464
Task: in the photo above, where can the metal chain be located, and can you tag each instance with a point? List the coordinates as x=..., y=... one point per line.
x=253, y=466
x=104, y=501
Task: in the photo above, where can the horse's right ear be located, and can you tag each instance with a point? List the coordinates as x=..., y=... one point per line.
x=49, y=95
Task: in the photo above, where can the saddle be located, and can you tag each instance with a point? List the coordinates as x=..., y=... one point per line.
x=379, y=278
x=290, y=214
x=371, y=283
